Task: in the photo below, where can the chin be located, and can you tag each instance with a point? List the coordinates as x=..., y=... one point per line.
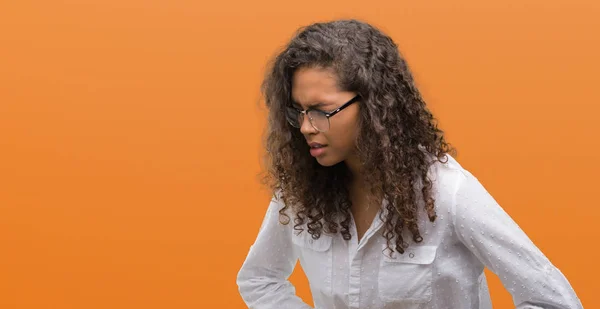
x=324, y=161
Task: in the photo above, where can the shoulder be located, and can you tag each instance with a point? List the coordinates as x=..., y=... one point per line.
x=277, y=210
x=446, y=176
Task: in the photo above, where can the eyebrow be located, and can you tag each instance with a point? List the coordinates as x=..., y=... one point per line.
x=314, y=105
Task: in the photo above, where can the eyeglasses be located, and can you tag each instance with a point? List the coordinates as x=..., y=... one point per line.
x=318, y=119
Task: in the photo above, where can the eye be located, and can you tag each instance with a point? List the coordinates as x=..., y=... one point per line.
x=320, y=110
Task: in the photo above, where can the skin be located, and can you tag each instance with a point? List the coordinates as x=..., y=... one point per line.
x=311, y=86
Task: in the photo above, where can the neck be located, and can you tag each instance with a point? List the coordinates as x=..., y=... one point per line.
x=353, y=164
x=360, y=191
x=357, y=183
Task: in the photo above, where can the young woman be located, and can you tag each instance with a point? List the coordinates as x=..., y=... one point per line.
x=368, y=197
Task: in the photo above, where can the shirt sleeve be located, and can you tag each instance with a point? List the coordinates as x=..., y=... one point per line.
x=263, y=278
x=499, y=243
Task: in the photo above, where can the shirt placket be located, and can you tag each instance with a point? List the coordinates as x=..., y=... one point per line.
x=356, y=255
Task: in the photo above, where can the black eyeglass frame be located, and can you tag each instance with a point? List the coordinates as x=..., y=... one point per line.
x=326, y=114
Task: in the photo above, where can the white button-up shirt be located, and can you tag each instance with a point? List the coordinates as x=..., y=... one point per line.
x=444, y=271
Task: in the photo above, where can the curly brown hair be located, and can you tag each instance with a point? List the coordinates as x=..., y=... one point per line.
x=397, y=132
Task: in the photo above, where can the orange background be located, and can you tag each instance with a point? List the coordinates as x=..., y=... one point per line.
x=130, y=136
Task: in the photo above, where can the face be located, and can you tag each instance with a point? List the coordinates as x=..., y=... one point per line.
x=317, y=88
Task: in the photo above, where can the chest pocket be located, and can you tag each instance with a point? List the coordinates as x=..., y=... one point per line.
x=316, y=259
x=407, y=277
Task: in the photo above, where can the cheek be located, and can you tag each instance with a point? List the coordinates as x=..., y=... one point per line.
x=343, y=138
x=344, y=131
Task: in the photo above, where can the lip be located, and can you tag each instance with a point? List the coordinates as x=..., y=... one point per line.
x=317, y=152
x=317, y=149
x=315, y=144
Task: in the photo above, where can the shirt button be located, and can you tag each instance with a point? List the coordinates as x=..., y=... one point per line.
x=411, y=255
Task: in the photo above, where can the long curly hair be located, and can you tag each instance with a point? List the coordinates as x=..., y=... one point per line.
x=398, y=134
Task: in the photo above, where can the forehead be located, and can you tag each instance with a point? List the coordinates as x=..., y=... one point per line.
x=314, y=85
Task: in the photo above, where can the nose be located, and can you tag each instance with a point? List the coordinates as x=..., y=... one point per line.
x=306, y=127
